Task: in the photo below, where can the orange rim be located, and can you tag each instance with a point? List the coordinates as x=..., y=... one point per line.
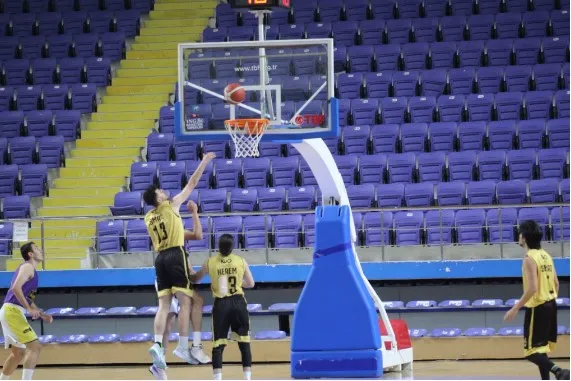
x=253, y=126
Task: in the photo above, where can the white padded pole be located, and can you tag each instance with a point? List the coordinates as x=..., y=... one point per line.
x=329, y=179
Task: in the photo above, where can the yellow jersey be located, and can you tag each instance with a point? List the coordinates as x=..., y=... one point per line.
x=165, y=227
x=226, y=275
x=546, y=289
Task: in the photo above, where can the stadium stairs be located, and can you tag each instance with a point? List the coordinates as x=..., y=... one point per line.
x=100, y=163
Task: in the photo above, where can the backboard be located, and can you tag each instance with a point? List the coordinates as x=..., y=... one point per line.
x=288, y=82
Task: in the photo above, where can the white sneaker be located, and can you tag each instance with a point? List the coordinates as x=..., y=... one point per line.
x=159, y=374
x=158, y=354
x=184, y=354
x=198, y=354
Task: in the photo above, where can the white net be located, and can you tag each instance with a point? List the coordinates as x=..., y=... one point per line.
x=246, y=135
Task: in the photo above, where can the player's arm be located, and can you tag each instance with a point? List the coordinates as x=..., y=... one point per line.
x=197, y=277
x=26, y=273
x=530, y=270
x=248, y=281
x=555, y=280
x=45, y=317
x=192, y=182
x=196, y=233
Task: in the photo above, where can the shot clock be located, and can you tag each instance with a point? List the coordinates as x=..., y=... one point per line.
x=260, y=4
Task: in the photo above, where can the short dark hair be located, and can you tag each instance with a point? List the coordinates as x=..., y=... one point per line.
x=532, y=232
x=226, y=244
x=150, y=195
x=26, y=249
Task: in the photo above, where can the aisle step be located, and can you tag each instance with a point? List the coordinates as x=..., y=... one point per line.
x=122, y=99
x=188, y=11
x=202, y=9
x=94, y=211
x=62, y=233
x=78, y=201
x=153, y=89
x=99, y=162
x=73, y=183
x=85, y=192
x=155, y=46
x=129, y=107
x=106, y=152
x=119, y=125
x=142, y=82
x=94, y=172
x=189, y=29
x=187, y=37
x=148, y=72
x=174, y=23
x=117, y=116
x=144, y=54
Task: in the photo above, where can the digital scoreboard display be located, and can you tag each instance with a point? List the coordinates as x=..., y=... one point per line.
x=260, y=4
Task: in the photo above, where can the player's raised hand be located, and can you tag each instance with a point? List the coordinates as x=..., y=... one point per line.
x=209, y=157
x=192, y=207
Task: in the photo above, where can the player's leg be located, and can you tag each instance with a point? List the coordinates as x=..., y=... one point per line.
x=196, y=350
x=164, y=284
x=16, y=356
x=220, y=327
x=158, y=373
x=240, y=324
x=31, y=359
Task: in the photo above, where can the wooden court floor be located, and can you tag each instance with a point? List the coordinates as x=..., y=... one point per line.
x=434, y=370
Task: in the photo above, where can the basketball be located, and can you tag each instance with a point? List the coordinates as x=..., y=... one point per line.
x=234, y=93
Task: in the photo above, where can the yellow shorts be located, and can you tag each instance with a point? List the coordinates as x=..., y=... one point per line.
x=17, y=330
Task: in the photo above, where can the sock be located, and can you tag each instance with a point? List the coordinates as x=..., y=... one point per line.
x=248, y=375
x=159, y=339
x=4, y=377
x=27, y=374
x=196, y=339
x=183, y=342
x=555, y=369
x=218, y=376
x=543, y=363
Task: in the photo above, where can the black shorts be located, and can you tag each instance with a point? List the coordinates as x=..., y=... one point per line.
x=230, y=313
x=540, y=328
x=171, y=268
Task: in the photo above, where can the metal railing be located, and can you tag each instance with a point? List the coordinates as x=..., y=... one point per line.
x=434, y=240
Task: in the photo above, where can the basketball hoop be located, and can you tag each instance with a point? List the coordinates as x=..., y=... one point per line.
x=246, y=135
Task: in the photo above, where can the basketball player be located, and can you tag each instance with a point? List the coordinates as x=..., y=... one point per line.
x=541, y=287
x=196, y=353
x=19, y=336
x=166, y=229
x=229, y=274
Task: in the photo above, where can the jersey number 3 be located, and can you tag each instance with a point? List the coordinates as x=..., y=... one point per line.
x=232, y=282
x=163, y=231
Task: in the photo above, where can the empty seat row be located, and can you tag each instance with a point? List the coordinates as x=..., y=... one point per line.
x=30, y=179
x=359, y=10
x=65, y=123
x=375, y=229
x=14, y=207
x=96, y=70
x=81, y=97
x=43, y=6
x=53, y=23
x=109, y=45
x=48, y=150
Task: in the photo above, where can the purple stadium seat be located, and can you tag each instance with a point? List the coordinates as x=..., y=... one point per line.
x=11, y=124
x=121, y=311
x=414, y=137
x=185, y=150
x=137, y=238
x=390, y=195
x=345, y=33
x=142, y=175
x=415, y=56
x=8, y=180
x=489, y=79
x=364, y=112
x=398, y=31
x=408, y=227
x=198, y=245
x=214, y=35
x=501, y=135
x=361, y=196
x=3, y=150
x=401, y=167
x=128, y=22
x=511, y=192
x=376, y=85
x=227, y=172
x=560, y=22
x=422, y=109
x=23, y=150
x=510, y=331
x=43, y=71
x=60, y=311
x=284, y=171
x=136, y=338
x=226, y=225
x=16, y=207
x=90, y=311
x=479, y=27
x=527, y=53
x=388, y=57
x=104, y=339
x=257, y=231
x=72, y=70
x=544, y=191
x=433, y=82
x=461, y=166
x=458, y=303
x=562, y=301
x=309, y=230
x=539, y=215
x=6, y=231
x=421, y=304
x=270, y=335
x=508, y=25
x=442, y=54
x=518, y=78
x=28, y=97
x=72, y=339
x=418, y=195
x=451, y=107
x=287, y=230
x=6, y=98
x=256, y=172
x=560, y=223
x=406, y=83
x=471, y=53
x=34, y=47
x=561, y=100
x=491, y=165
x=443, y=136
x=470, y=226
x=377, y=227
x=502, y=225
x=83, y=97
x=349, y=85
x=499, y=52
x=56, y=98
x=159, y=147
x=439, y=225
x=23, y=24
x=564, y=190
x=446, y=332
x=557, y=132
x=8, y=48
x=538, y=104
x=360, y=58
x=301, y=198
x=384, y=138
x=282, y=307
x=521, y=164
x=271, y=199
x=544, y=75
x=552, y=163
x=127, y=203
x=86, y=45
x=347, y=165
x=51, y=151
x=530, y=133
x=487, y=303
x=535, y=23
x=98, y=70
x=226, y=16
x=555, y=50
x=418, y=333
x=172, y=175
x=461, y=81
x=243, y=200
x=472, y=332
x=101, y=22
x=431, y=167
x=294, y=31
x=213, y=200
x=425, y=29
x=16, y=72
x=38, y=123
x=109, y=238
x=481, y=192
x=113, y=45
x=371, y=169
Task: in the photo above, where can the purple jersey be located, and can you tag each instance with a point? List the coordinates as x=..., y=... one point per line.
x=29, y=289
